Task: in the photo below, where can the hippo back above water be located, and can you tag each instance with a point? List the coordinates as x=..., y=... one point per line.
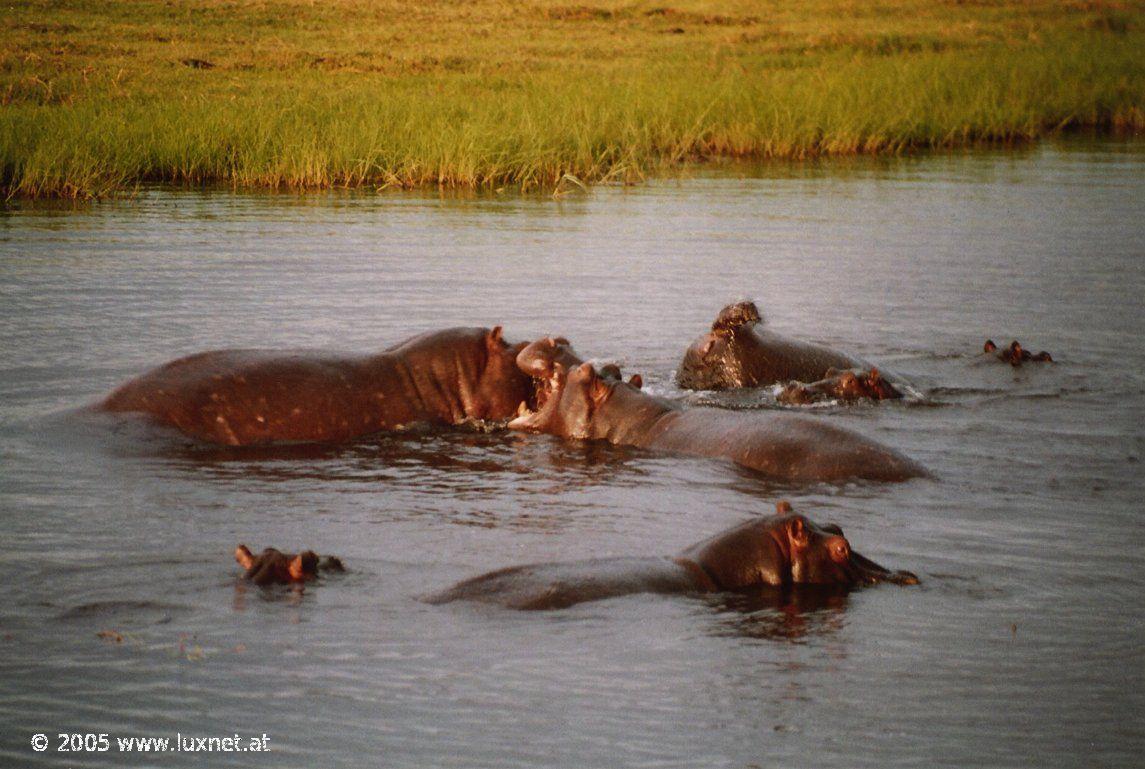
x=250, y=397
x=740, y=351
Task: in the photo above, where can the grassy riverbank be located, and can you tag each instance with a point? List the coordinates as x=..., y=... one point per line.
x=99, y=95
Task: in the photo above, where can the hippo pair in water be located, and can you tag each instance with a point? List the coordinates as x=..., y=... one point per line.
x=784, y=551
x=250, y=397
x=740, y=351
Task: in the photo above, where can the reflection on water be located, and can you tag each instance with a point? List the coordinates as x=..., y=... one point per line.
x=790, y=614
x=124, y=612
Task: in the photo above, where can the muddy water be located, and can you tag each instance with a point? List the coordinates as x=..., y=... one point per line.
x=1022, y=646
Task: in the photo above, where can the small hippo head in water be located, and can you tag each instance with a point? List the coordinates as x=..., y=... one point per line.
x=275, y=567
x=846, y=385
x=786, y=549
x=1015, y=354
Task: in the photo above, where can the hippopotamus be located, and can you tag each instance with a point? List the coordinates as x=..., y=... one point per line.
x=578, y=403
x=1015, y=354
x=784, y=551
x=275, y=567
x=740, y=351
x=248, y=397
x=840, y=385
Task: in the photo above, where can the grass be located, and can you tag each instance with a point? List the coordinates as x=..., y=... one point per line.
x=98, y=96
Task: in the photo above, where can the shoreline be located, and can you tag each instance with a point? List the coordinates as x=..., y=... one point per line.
x=95, y=101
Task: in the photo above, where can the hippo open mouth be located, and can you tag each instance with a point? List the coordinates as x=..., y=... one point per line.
x=546, y=361
x=546, y=396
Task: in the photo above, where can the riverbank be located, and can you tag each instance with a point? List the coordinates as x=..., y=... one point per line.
x=99, y=97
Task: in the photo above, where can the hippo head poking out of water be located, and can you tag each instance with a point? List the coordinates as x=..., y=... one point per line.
x=844, y=386
x=741, y=351
x=275, y=567
x=572, y=402
x=1015, y=354
x=786, y=549
x=548, y=361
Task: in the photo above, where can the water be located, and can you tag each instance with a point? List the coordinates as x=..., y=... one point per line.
x=1022, y=646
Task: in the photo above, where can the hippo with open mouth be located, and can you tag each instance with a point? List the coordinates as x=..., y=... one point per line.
x=575, y=401
x=785, y=551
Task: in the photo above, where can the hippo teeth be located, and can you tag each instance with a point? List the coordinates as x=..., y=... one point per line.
x=523, y=409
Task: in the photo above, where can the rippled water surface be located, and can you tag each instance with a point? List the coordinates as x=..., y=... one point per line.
x=1022, y=646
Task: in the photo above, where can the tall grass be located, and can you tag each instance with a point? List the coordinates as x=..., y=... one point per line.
x=97, y=119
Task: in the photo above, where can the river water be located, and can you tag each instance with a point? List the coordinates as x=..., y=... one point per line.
x=1023, y=645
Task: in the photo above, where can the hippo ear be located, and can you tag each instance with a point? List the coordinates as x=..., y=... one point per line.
x=297, y=569
x=873, y=375
x=782, y=507
x=797, y=531
x=989, y=346
x=244, y=556
x=600, y=390
x=636, y=381
x=559, y=340
x=493, y=338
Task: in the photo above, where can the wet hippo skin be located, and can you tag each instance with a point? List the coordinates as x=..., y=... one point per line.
x=784, y=550
x=248, y=397
x=740, y=351
x=578, y=403
x=272, y=566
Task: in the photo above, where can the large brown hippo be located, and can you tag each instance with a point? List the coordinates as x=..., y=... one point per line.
x=740, y=351
x=246, y=397
x=1015, y=354
x=275, y=567
x=781, y=551
x=839, y=385
x=579, y=403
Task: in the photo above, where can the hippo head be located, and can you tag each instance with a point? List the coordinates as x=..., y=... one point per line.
x=273, y=566
x=712, y=362
x=846, y=385
x=573, y=401
x=499, y=388
x=852, y=385
x=735, y=315
x=879, y=388
x=784, y=550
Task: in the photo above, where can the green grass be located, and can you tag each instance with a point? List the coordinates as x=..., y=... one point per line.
x=98, y=97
